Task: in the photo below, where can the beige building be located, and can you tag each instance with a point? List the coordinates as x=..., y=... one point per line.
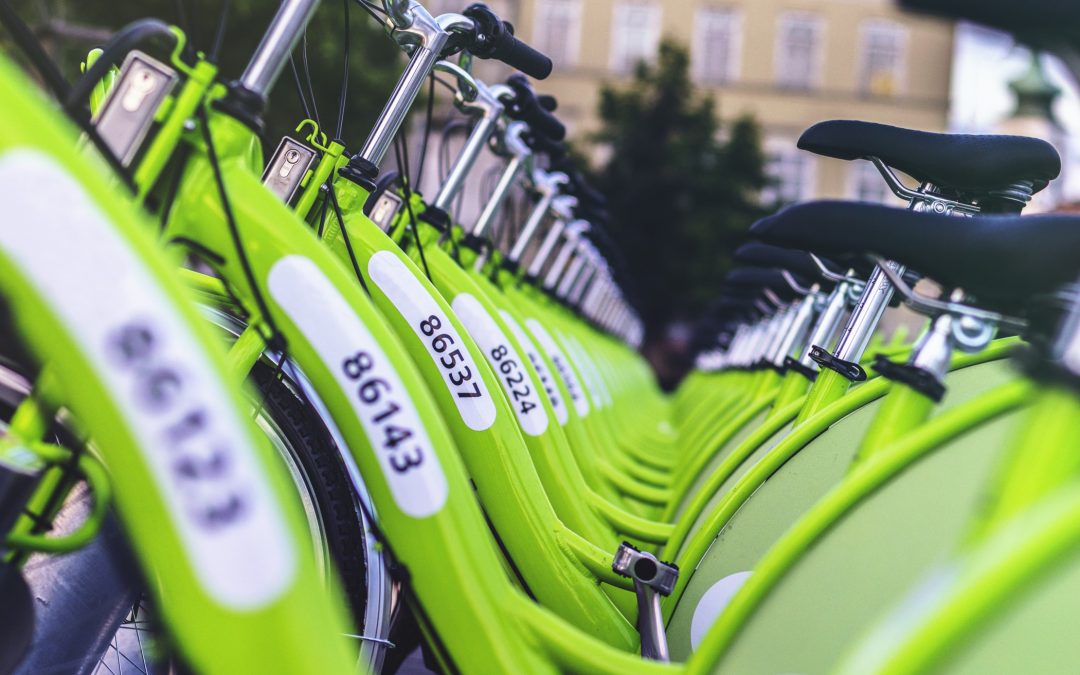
x=789, y=63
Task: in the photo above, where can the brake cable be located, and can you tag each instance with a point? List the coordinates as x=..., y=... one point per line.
x=402, y=156
x=275, y=340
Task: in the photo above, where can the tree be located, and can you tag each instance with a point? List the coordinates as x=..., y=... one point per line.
x=69, y=28
x=681, y=198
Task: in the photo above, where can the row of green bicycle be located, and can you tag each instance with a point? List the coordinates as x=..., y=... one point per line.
x=334, y=422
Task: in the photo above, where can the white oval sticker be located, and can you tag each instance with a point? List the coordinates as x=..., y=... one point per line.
x=588, y=370
x=441, y=340
x=562, y=367
x=712, y=605
x=562, y=414
x=362, y=369
x=521, y=391
x=198, y=449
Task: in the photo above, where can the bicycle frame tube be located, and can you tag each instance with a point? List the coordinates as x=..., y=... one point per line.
x=92, y=298
x=491, y=444
x=430, y=518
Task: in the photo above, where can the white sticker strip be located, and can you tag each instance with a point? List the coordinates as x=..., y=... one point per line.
x=441, y=340
x=521, y=390
x=562, y=413
x=363, y=371
x=198, y=450
x=586, y=365
x=562, y=367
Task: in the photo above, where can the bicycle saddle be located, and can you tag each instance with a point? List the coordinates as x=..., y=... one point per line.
x=754, y=280
x=960, y=162
x=796, y=262
x=1003, y=260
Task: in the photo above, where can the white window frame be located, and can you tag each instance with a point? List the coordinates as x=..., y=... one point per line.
x=785, y=150
x=541, y=39
x=817, y=57
x=863, y=171
x=620, y=40
x=734, y=19
x=903, y=41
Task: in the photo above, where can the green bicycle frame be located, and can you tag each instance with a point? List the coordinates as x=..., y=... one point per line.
x=198, y=490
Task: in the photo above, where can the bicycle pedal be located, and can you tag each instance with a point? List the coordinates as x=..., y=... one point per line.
x=645, y=568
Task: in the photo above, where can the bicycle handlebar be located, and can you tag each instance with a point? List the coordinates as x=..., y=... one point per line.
x=494, y=39
x=527, y=107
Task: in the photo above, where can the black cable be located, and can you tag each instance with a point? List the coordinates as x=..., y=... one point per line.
x=307, y=74
x=276, y=339
x=403, y=166
x=300, y=88
x=182, y=19
x=31, y=47
x=332, y=198
x=376, y=12
x=339, y=132
x=322, y=216
x=427, y=131
x=182, y=155
x=219, y=35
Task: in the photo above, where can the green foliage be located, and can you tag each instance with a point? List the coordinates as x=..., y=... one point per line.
x=681, y=197
x=67, y=27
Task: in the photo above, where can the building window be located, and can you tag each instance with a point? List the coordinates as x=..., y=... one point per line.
x=866, y=183
x=798, y=50
x=558, y=30
x=882, y=58
x=790, y=171
x=635, y=34
x=717, y=42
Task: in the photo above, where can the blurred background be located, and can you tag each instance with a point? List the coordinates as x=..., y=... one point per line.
x=685, y=112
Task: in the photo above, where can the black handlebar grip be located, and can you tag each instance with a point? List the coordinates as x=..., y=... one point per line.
x=527, y=108
x=494, y=39
x=516, y=54
x=547, y=102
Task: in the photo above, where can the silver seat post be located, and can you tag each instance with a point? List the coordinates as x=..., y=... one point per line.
x=797, y=329
x=828, y=322
x=800, y=326
x=866, y=315
x=276, y=45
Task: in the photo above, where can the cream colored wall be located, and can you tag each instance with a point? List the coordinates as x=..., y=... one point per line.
x=783, y=114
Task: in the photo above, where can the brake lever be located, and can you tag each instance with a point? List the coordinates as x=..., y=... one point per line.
x=468, y=89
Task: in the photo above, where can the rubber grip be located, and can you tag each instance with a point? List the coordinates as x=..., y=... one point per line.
x=516, y=54
x=528, y=108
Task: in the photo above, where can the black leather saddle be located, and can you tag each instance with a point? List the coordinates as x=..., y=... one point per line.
x=1004, y=260
x=960, y=162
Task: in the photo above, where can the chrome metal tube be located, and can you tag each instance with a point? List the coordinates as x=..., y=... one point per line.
x=797, y=329
x=277, y=44
x=551, y=240
x=465, y=160
x=397, y=107
x=866, y=315
x=572, y=272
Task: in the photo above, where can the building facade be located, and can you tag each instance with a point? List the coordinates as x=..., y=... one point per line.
x=788, y=63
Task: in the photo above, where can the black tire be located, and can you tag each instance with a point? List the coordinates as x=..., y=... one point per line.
x=312, y=448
